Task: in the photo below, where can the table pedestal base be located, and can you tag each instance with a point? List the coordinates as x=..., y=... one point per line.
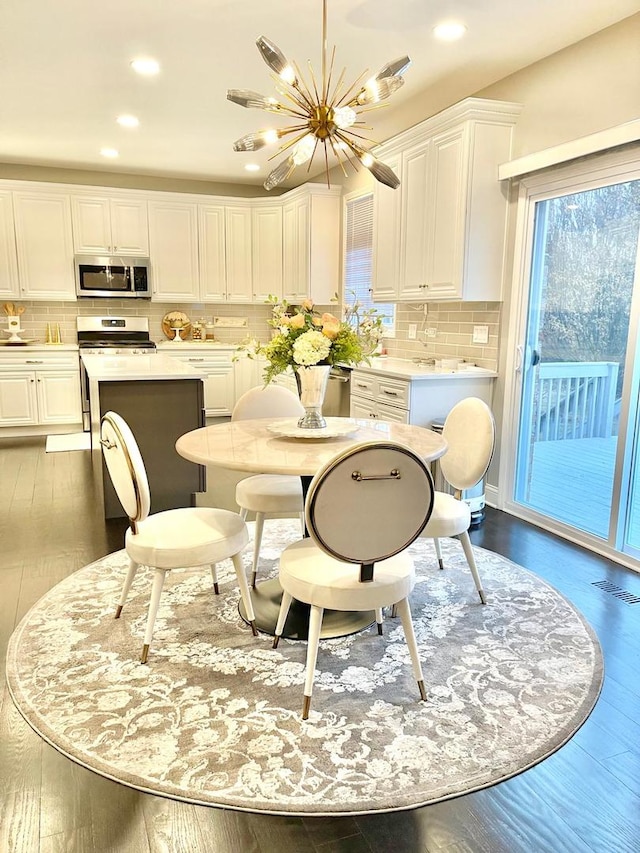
x=336, y=623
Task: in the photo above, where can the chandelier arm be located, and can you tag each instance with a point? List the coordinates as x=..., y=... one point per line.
x=289, y=144
x=297, y=97
x=347, y=157
x=324, y=45
x=315, y=148
x=326, y=164
x=302, y=88
x=315, y=85
x=338, y=157
x=332, y=100
x=325, y=86
x=348, y=91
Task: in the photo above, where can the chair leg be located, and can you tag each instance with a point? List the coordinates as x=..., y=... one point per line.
x=131, y=573
x=394, y=611
x=303, y=526
x=436, y=545
x=315, y=623
x=156, y=592
x=214, y=576
x=468, y=552
x=285, y=605
x=256, y=546
x=244, y=512
x=379, y=619
x=238, y=565
x=409, y=633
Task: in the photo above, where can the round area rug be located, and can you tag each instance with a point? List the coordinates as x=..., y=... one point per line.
x=214, y=718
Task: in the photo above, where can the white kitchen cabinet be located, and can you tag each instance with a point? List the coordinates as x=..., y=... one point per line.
x=38, y=389
x=311, y=244
x=266, y=230
x=173, y=251
x=9, y=285
x=386, y=249
x=238, y=253
x=451, y=229
x=211, y=234
x=219, y=384
x=380, y=397
x=104, y=225
x=44, y=245
x=225, y=253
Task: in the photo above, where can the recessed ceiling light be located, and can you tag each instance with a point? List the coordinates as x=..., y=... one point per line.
x=109, y=152
x=449, y=31
x=128, y=121
x=252, y=167
x=145, y=66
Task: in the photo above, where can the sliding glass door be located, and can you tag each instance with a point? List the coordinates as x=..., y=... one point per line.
x=577, y=451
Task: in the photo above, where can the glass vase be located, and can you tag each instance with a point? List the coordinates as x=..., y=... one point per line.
x=312, y=385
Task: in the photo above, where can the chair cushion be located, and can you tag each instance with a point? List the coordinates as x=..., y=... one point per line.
x=192, y=536
x=270, y=493
x=450, y=517
x=312, y=576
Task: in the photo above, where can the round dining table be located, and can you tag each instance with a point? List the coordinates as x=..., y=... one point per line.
x=271, y=446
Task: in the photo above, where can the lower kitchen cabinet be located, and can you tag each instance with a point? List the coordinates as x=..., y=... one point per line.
x=219, y=385
x=37, y=391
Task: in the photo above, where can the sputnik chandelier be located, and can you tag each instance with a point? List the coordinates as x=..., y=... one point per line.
x=325, y=117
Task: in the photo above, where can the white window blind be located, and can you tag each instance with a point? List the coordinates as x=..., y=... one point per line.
x=359, y=258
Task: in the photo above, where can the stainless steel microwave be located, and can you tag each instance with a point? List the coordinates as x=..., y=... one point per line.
x=102, y=276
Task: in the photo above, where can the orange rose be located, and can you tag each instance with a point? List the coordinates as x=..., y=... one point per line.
x=297, y=321
x=307, y=305
x=330, y=326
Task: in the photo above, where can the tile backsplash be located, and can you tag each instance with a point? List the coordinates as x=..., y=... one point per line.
x=453, y=322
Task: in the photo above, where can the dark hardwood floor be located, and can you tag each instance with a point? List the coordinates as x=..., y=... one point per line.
x=586, y=797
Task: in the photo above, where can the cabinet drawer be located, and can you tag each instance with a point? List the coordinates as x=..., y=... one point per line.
x=363, y=385
x=393, y=391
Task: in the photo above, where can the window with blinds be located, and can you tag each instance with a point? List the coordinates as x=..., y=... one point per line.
x=359, y=259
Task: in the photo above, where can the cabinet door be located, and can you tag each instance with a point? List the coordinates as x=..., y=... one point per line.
x=91, y=225
x=447, y=217
x=45, y=246
x=219, y=392
x=58, y=395
x=129, y=226
x=8, y=260
x=238, y=254
x=17, y=399
x=267, y=253
x=296, y=250
x=386, y=237
x=213, y=277
x=359, y=407
x=392, y=414
x=413, y=223
x=173, y=248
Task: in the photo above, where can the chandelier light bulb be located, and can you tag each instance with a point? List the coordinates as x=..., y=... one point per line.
x=344, y=117
x=252, y=100
x=276, y=60
x=303, y=151
x=378, y=90
x=255, y=141
x=280, y=173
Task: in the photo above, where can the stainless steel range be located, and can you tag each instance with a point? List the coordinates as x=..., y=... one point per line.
x=110, y=336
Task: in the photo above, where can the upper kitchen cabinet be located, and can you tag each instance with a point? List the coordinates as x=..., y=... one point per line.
x=45, y=246
x=444, y=235
x=266, y=229
x=105, y=225
x=173, y=251
x=225, y=252
x=311, y=244
x=8, y=259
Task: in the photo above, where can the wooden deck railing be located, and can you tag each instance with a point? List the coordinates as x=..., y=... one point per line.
x=575, y=400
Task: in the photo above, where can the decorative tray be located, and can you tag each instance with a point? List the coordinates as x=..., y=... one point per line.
x=288, y=428
x=173, y=318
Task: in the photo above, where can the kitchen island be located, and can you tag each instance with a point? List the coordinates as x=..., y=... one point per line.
x=161, y=399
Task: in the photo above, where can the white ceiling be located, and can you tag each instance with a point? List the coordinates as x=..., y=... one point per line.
x=65, y=75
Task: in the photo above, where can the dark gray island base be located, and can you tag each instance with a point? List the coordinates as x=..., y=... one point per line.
x=158, y=412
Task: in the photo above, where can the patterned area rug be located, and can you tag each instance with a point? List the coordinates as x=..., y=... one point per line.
x=215, y=716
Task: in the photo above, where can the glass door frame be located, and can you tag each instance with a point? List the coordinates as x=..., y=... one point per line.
x=600, y=170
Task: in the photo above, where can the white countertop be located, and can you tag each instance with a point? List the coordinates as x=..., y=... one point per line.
x=138, y=367
x=404, y=368
x=176, y=346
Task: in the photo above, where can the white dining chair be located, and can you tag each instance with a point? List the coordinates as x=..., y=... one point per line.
x=363, y=510
x=268, y=494
x=469, y=430
x=173, y=539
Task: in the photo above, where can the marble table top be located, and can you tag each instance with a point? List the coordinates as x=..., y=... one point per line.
x=250, y=445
